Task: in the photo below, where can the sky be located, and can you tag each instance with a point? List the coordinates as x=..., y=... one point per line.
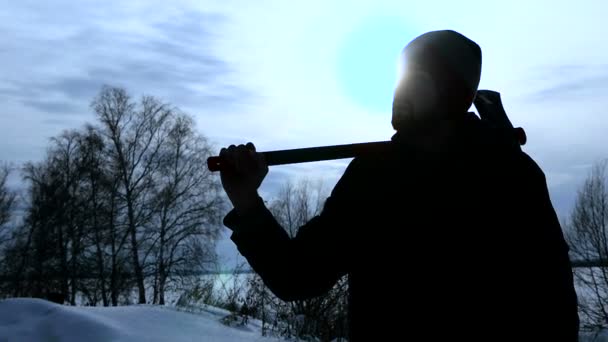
x=288, y=74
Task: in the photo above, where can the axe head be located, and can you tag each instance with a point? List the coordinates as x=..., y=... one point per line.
x=490, y=108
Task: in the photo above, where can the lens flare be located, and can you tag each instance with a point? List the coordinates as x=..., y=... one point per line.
x=401, y=68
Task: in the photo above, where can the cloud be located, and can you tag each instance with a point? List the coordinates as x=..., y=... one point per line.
x=54, y=107
x=570, y=82
x=169, y=56
x=574, y=90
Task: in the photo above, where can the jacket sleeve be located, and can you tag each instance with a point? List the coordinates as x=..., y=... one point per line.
x=309, y=264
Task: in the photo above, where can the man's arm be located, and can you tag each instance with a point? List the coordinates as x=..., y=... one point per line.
x=309, y=264
x=306, y=266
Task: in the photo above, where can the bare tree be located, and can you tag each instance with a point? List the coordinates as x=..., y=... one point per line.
x=187, y=207
x=296, y=204
x=323, y=317
x=54, y=222
x=7, y=231
x=97, y=200
x=126, y=204
x=64, y=160
x=7, y=202
x=136, y=134
x=588, y=240
x=42, y=242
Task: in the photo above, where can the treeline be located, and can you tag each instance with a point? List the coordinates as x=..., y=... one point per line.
x=124, y=206
x=124, y=210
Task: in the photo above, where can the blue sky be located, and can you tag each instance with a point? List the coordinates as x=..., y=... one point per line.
x=286, y=74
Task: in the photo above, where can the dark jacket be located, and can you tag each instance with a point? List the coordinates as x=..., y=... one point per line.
x=463, y=245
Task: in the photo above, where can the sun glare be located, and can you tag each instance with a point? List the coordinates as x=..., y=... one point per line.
x=400, y=69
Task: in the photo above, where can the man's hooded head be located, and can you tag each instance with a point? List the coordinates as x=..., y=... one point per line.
x=440, y=77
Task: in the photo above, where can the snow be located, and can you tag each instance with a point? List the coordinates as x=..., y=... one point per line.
x=28, y=319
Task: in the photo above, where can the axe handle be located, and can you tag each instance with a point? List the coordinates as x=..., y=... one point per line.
x=311, y=154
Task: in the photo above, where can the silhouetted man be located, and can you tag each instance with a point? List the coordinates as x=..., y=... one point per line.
x=454, y=223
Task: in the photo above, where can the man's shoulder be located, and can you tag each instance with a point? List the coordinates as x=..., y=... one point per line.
x=360, y=175
x=372, y=163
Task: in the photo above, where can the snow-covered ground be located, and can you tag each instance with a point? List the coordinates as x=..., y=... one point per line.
x=27, y=319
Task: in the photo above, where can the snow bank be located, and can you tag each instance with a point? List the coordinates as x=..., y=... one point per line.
x=28, y=319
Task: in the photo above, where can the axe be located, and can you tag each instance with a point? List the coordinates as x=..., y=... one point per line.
x=487, y=102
